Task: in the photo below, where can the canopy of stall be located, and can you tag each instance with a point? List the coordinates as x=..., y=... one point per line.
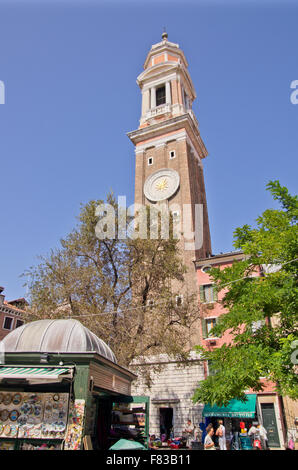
x=34, y=374
x=234, y=409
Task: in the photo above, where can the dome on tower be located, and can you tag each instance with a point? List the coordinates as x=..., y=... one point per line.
x=56, y=336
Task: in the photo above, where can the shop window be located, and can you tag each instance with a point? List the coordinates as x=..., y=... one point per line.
x=161, y=95
x=208, y=293
x=7, y=325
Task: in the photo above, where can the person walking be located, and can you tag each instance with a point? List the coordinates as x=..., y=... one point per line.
x=208, y=443
x=189, y=431
x=221, y=433
x=263, y=437
x=252, y=433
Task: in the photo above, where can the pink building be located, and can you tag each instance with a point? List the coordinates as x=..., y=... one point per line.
x=269, y=407
x=11, y=314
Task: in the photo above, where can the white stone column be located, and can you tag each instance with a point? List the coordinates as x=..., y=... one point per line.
x=153, y=97
x=168, y=93
x=145, y=102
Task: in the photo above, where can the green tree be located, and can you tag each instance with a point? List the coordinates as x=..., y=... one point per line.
x=124, y=290
x=261, y=302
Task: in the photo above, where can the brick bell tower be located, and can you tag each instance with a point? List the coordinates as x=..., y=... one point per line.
x=169, y=149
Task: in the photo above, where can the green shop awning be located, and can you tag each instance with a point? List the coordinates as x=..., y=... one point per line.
x=234, y=409
x=34, y=373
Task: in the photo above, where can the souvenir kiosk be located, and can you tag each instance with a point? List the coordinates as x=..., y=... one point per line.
x=61, y=388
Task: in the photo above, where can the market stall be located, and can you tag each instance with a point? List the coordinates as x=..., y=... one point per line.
x=58, y=386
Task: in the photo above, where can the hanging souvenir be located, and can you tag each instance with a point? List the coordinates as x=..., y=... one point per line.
x=56, y=397
x=13, y=415
x=22, y=420
x=13, y=430
x=7, y=429
x=17, y=399
x=7, y=399
x=1, y=397
x=4, y=414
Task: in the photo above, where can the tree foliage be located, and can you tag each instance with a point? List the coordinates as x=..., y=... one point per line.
x=124, y=290
x=261, y=303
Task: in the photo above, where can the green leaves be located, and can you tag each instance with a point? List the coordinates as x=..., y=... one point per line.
x=261, y=301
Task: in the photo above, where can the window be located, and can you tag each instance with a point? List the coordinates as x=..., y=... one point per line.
x=161, y=95
x=150, y=161
x=176, y=216
x=179, y=300
x=206, y=269
x=210, y=323
x=207, y=325
x=211, y=368
x=172, y=154
x=19, y=323
x=208, y=293
x=7, y=323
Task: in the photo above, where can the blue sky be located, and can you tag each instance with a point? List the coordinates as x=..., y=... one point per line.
x=70, y=71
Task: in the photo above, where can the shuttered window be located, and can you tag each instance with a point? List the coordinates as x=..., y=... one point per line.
x=208, y=293
x=207, y=325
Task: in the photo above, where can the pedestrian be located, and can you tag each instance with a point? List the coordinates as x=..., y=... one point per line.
x=263, y=437
x=208, y=443
x=189, y=430
x=252, y=433
x=221, y=433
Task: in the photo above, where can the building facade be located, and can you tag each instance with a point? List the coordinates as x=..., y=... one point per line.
x=169, y=150
x=269, y=406
x=11, y=314
x=169, y=153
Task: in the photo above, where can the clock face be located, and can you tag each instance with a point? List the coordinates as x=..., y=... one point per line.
x=161, y=185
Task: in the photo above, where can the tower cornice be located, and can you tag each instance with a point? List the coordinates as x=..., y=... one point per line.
x=150, y=133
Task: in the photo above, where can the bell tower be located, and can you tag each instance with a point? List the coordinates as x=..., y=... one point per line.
x=169, y=149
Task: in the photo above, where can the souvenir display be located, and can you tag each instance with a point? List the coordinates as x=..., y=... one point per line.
x=34, y=415
x=43, y=446
x=55, y=416
x=1, y=397
x=75, y=426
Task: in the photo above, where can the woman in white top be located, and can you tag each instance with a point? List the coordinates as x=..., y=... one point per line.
x=221, y=433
